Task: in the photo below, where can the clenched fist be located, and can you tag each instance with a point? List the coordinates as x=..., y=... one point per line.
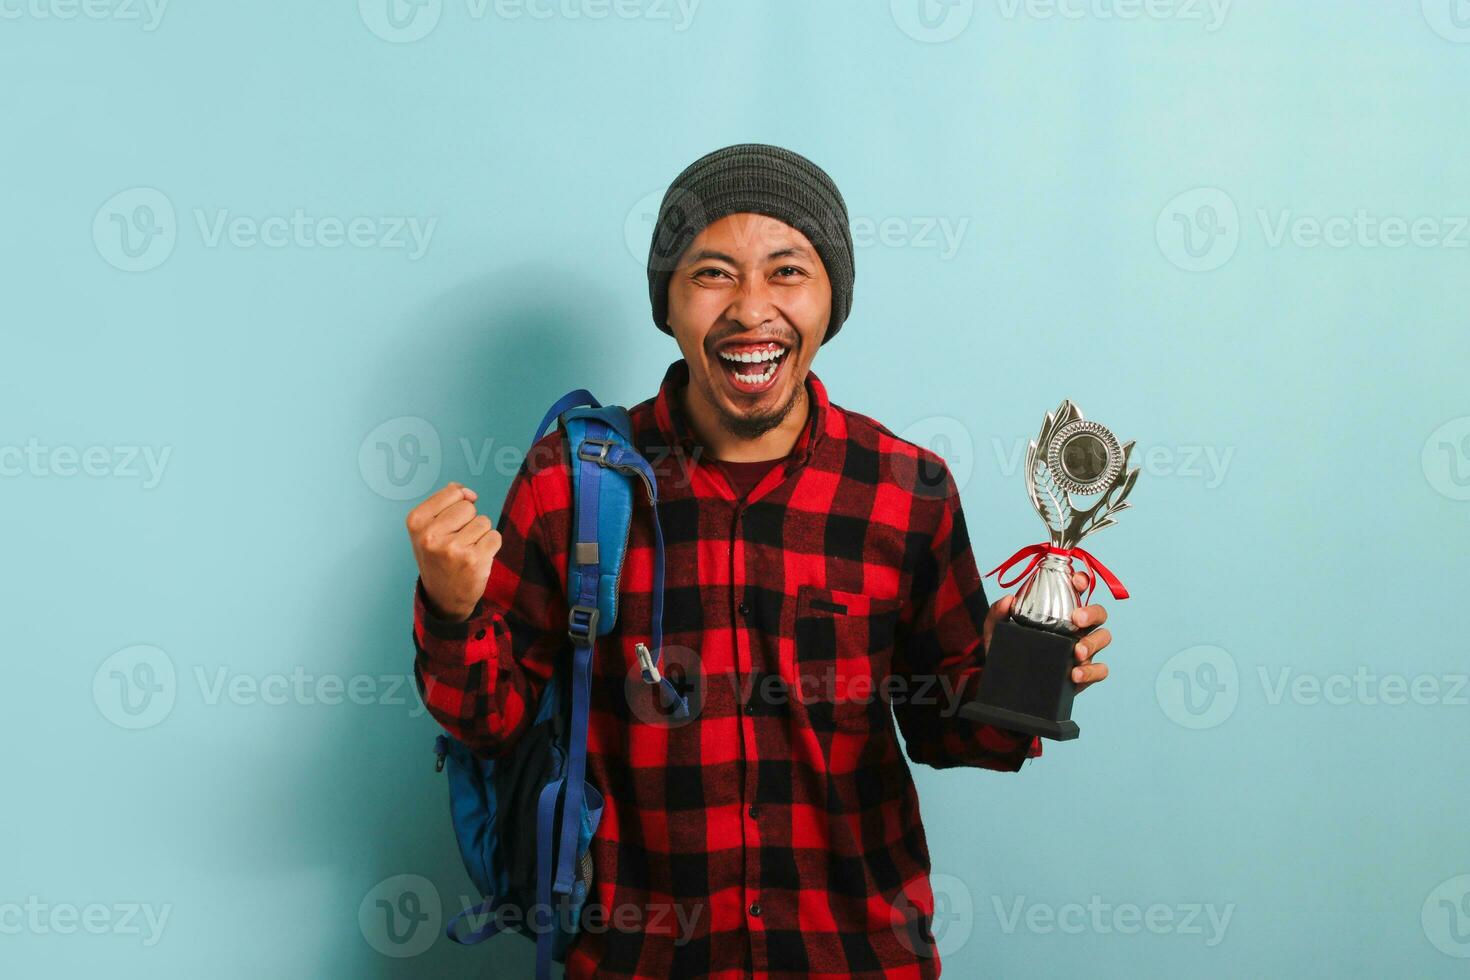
x=455, y=547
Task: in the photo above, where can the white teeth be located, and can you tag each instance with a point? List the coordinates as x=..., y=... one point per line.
x=762, y=378
x=753, y=357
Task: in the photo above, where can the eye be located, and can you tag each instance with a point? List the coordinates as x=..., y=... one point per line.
x=701, y=272
x=791, y=269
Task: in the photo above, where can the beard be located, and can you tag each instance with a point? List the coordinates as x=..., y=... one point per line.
x=755, y=424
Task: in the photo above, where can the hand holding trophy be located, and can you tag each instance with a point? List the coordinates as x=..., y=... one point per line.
x=1027, y=681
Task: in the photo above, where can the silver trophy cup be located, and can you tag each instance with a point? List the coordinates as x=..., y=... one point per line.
x=1026, y=684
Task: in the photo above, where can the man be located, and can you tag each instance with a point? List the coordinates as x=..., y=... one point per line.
x=819, y=584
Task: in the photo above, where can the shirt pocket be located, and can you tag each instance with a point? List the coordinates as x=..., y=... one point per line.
x=844, y=651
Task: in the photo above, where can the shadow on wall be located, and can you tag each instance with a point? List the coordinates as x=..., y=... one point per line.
x=482, y=363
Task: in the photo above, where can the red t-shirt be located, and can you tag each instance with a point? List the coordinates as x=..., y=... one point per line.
x=744, y=476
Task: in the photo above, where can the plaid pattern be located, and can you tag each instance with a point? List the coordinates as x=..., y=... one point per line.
x=775, y=833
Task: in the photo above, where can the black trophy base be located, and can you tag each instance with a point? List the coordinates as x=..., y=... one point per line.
x=1027, y=684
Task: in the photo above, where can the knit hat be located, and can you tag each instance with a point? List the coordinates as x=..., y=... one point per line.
x=762, y=179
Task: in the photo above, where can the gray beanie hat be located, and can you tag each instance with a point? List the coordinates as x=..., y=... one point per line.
x=762, y=179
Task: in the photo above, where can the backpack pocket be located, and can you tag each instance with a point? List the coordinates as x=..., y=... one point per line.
x=536, y=761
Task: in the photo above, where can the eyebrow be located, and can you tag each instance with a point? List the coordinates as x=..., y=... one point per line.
x=709, y=253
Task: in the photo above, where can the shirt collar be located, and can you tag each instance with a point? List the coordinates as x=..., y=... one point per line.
x=674, y=426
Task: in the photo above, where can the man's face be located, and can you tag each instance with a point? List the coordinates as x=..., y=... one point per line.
x=749, y=304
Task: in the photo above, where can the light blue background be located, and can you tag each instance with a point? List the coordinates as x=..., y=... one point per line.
x=1326, y=383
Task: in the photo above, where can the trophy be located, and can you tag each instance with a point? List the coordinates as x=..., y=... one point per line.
x=1027, y=681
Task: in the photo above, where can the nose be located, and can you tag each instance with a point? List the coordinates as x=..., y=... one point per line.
x=752, y=305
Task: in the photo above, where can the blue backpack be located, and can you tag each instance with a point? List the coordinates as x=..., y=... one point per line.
x=525, y=821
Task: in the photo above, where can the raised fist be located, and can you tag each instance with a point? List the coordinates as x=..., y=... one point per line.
x=455, y=547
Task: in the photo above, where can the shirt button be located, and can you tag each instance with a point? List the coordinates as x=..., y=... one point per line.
x=745, y=609
x=479, y=634
x=755, y=908
x=753, y=811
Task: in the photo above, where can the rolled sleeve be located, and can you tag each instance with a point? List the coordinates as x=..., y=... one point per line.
x=482, y=678
x=940, y=652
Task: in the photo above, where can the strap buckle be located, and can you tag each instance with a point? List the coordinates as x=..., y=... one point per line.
x=601, y=457
x=588, y=629
x=645, y=659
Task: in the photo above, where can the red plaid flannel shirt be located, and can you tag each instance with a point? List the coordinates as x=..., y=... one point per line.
x=776, y=833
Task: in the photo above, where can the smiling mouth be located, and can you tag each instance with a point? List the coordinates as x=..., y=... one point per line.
x=752, y=368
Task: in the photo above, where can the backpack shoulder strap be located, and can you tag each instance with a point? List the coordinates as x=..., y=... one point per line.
x=602, y=459
x=600, y=439
x=572, y=399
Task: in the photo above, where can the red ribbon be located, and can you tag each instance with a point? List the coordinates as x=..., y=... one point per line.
x=1035, y=552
